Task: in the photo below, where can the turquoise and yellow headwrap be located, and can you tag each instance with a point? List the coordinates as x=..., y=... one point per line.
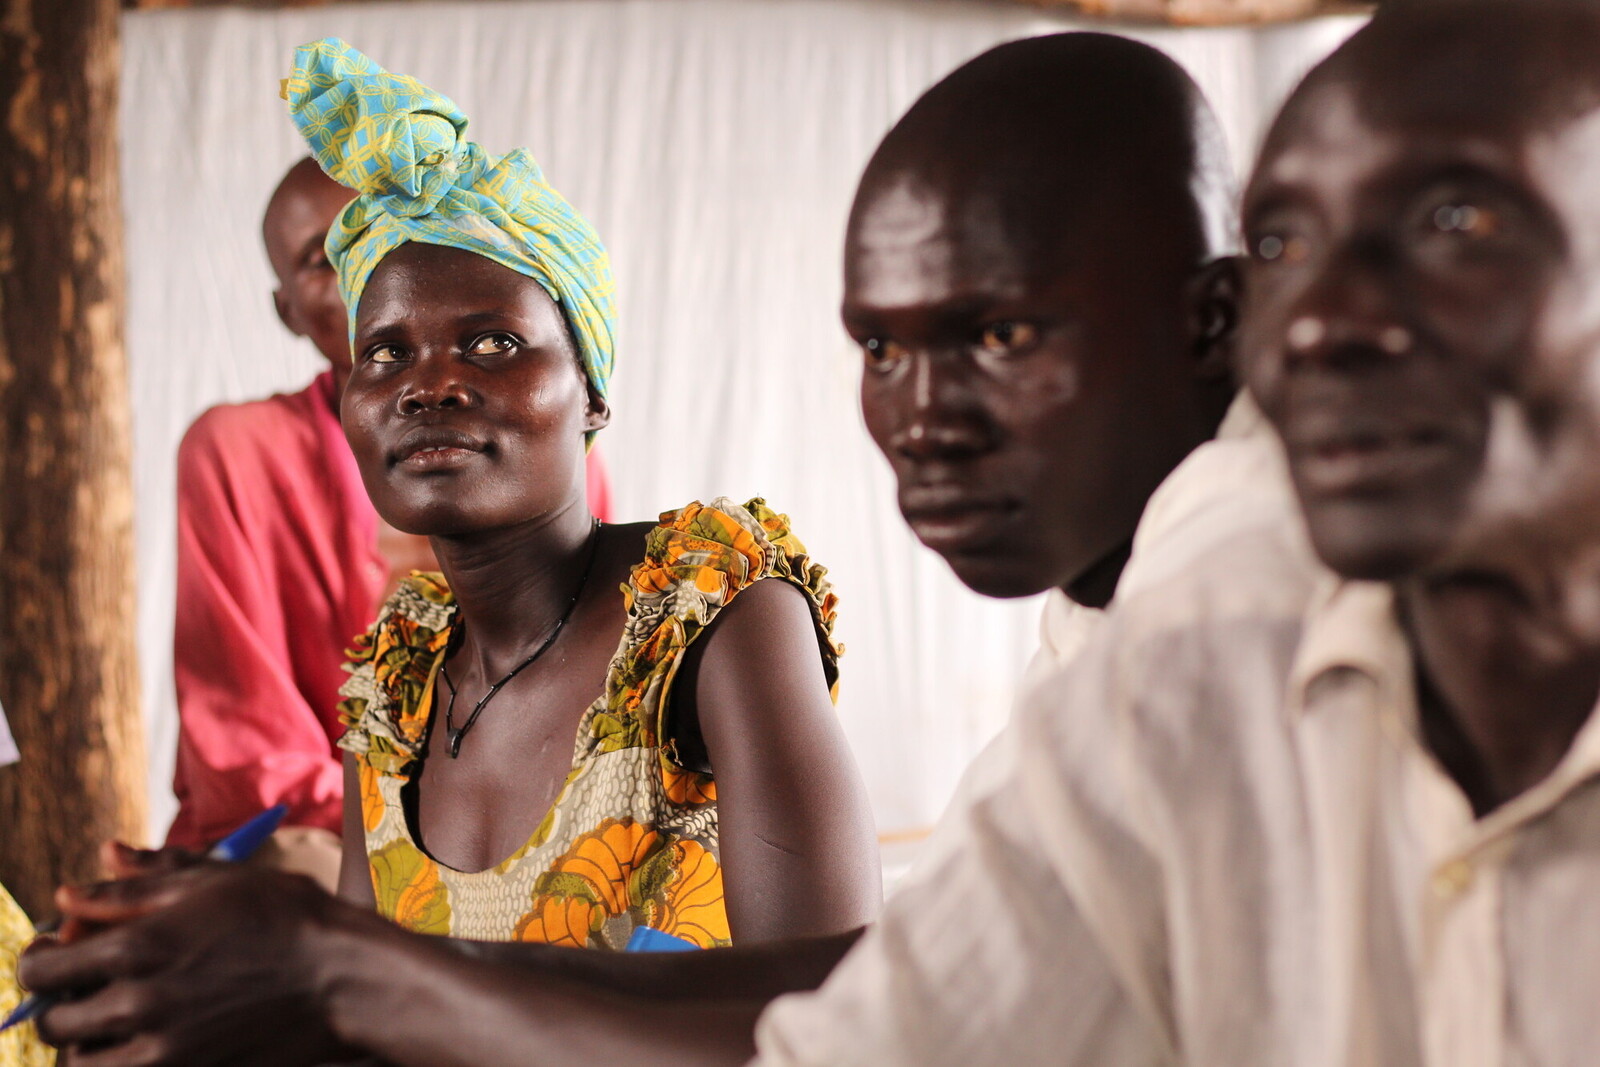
x=401, y=146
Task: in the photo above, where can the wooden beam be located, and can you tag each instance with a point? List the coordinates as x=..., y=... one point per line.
x=1208, y=12
x=68, y=674
x=1185, y=12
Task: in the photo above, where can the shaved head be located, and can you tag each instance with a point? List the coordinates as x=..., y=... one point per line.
x=1040, y=136
x=294, y=227
x=1029, y=272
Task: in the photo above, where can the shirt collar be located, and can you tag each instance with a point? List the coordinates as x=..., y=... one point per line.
x=8, y=747
x=1354, y=626
x=1351, y=626
x=1243, y=419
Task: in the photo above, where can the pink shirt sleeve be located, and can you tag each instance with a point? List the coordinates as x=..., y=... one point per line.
x=248, y=737
x=599, y=483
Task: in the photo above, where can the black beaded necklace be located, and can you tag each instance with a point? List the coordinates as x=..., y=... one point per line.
x=454, y=735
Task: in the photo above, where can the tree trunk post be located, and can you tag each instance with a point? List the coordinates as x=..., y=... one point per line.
x=68, y=668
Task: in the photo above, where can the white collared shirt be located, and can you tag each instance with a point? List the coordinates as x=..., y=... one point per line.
x=1221, y=843
x=969, y=946
x=8, y=747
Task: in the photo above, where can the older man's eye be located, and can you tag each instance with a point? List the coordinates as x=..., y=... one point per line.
x=1279, y=248
x=1468, y=220
x=384, y=354
x=493, y=344
x=881, y=352
x=1005, y=338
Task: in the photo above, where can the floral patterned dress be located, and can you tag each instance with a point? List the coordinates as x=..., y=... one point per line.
x=631, y=839
x=20, y=1046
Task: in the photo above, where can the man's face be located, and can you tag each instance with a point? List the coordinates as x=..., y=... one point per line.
x=1420, y=315
x=307, y=297
x=1020, y=385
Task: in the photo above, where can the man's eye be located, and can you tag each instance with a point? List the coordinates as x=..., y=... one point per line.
x=1280, y=248
x=881, y=352
x=1003, y=338
x=492, y=344
x=1468, y=220
x=384, y=354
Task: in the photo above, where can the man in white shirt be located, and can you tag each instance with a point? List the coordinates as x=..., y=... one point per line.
x=8, y=747
x=1031, y=274
x=1367, y=832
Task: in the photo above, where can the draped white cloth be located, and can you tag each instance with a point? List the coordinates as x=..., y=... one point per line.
x=715, y=145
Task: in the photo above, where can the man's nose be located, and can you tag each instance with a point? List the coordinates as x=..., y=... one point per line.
x=1351, y=311
x=943, y=407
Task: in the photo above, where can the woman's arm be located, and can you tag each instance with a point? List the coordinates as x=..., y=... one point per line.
x=799, y=853
x=355, y=881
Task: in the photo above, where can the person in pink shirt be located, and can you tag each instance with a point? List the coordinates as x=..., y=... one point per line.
x=281, y=562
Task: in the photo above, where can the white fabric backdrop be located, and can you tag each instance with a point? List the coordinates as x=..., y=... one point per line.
x=715, y=144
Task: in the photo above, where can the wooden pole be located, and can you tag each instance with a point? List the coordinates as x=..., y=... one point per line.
x=68, y=670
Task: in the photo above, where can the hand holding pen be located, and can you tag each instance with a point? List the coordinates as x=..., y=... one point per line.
x=240, y=845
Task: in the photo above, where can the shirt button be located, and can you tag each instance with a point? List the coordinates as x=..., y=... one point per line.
x=1452, y=879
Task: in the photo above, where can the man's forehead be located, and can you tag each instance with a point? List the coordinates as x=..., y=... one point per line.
x=1346, y=127
x=914, y=240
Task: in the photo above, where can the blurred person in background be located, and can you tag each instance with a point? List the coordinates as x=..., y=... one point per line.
x=282, y=561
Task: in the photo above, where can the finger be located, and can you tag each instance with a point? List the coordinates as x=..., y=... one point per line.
x=120, y=901
x=142, y=1050
x=59, y=969
x=117, y=1013
x=124, y=861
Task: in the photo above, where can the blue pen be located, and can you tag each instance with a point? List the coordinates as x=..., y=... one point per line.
x=237, y=846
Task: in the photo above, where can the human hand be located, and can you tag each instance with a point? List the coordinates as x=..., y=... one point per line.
x=118, y=860
x=187, y=963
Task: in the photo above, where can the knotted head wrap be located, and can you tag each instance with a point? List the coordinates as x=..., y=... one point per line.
x=401, y=146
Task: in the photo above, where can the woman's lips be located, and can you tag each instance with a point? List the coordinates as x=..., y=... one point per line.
x=438, y=458
x=431, y=448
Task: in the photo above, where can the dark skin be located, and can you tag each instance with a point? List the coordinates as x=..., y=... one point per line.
x=434, y=1002
x=1042, y=343
x=1420, y=293
x=296, y=222
x=467, y=413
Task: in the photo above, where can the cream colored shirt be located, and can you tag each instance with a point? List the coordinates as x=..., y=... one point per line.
x=8, y=747
x=980, y=957
x=1222, y=843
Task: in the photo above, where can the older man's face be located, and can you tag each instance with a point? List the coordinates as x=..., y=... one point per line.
x=1421, y=317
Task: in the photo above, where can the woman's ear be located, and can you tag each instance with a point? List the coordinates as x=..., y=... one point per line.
x=1214, y=318
x=597, y=413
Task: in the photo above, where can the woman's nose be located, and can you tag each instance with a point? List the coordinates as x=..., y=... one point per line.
x=434, y=384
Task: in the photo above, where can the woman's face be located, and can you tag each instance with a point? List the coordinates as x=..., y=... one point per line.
x=466, y=408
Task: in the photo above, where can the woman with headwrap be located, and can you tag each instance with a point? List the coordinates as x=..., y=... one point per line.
x=708, y=793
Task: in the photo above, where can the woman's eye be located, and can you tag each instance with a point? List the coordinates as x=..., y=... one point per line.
x=384, y=354
x=1004, y=338
x=1468, y=220
x=492, y=344
x=880, y=351
x=1279, y=248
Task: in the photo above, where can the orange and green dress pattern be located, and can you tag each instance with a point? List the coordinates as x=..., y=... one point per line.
x=632, y=838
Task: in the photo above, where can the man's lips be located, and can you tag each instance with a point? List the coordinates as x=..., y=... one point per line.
x=1369, y=458
x=952, y=518
x=428, y=448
